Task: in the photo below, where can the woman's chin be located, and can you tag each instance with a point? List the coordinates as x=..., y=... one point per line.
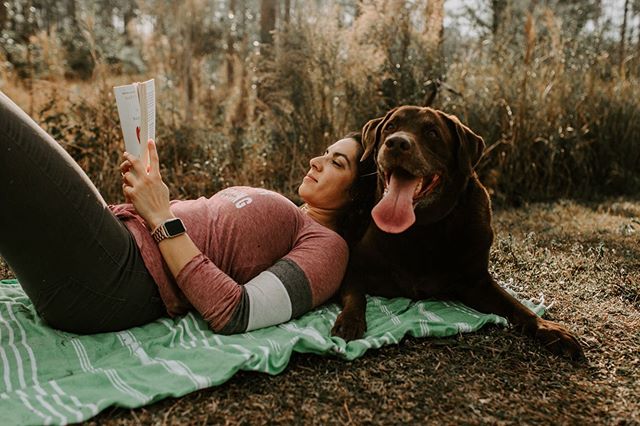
x=303, y=191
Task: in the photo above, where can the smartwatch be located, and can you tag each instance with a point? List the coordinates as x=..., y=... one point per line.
x=168, y=229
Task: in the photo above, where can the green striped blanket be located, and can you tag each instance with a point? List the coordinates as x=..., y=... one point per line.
x=52, y=377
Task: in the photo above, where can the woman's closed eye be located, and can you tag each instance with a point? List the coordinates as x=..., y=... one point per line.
x=334, y=161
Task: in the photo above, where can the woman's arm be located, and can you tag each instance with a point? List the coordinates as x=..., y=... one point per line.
x=210, y=291
x=306, y=277
x=150, y=197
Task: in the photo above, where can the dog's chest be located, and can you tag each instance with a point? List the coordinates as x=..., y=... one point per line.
x=411, y=267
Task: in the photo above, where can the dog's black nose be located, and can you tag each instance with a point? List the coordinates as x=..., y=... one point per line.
x=398, y=143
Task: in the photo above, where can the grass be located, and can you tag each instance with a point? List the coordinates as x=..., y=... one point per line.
x=585, y=258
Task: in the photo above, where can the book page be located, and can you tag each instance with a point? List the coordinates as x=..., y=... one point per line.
x=150, y=91
x=129, y=112
x=147, y=96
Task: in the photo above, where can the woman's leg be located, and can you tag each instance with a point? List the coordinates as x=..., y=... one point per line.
x=73, y=257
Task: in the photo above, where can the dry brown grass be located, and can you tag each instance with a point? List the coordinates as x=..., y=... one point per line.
x=558, y=118
x=583, y=258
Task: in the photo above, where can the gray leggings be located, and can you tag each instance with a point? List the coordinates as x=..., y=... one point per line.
x=76, y=261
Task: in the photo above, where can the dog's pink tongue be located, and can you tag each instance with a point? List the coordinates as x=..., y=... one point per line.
x=394, y=213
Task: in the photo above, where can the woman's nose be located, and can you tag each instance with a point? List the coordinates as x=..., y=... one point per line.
x=315, y=163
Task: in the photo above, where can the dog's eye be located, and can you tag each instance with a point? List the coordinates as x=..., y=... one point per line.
x=390, y=127
x=432, y=134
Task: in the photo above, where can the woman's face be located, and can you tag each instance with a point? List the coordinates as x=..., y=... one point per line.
x=327, y=183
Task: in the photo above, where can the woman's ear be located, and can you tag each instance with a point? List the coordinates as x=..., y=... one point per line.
x=371, y=133
x=470, y=145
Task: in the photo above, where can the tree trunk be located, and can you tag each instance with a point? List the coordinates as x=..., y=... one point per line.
x=129, y=14
x=242, y=29
x=71, y=14
x=434, y=25
x=4, y=14
x=230, y=55
x=267, y=20
x=105, y=15
x=187, y=61
x=29, y=26
x=287, y=11
x=497, y=9
x=623, y=36
x=48, y=11
x=638, y=29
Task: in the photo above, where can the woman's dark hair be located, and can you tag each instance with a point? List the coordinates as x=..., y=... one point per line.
x=357, y=216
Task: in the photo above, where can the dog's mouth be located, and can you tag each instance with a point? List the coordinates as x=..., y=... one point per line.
x=421, y=185
x=394, y=213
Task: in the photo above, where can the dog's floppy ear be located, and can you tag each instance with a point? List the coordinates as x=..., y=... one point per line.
x=371, y=133
x=470, y=145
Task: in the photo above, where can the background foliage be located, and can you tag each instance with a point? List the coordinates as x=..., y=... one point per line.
x=249, y=90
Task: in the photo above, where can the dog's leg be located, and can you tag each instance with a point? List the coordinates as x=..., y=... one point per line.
x=351, y=323
x=488, y=296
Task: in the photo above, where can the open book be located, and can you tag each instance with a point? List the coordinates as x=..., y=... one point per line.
x=137, y=110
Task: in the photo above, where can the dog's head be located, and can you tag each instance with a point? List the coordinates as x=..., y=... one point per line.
x=424, y=158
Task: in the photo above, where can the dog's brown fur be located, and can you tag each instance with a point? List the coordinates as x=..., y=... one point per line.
x=445, y=253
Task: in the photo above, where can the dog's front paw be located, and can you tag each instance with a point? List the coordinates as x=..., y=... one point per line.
x=349, y=326
x=559, y=340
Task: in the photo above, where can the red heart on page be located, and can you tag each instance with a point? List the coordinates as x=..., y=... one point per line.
x=138, y=133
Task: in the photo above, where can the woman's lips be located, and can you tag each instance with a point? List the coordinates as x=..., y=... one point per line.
x=311, y=178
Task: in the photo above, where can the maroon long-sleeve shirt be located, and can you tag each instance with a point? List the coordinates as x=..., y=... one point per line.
x=263, y=261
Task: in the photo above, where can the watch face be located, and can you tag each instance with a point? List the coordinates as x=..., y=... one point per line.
x=174, y=227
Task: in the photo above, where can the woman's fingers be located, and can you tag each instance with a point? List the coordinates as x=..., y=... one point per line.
x=129, y=178
x=153, y=157
x=136, y=164
x=125, y=166
x=127, y=190
x=132, y=162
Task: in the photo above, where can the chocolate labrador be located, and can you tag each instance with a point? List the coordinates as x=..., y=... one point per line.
x=431, y=230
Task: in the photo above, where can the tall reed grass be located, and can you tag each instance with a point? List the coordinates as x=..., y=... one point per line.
x=557, y=118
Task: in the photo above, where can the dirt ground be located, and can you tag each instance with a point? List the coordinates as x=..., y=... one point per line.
x=583, y=258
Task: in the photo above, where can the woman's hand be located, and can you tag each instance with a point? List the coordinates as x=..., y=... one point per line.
x=146, y=191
